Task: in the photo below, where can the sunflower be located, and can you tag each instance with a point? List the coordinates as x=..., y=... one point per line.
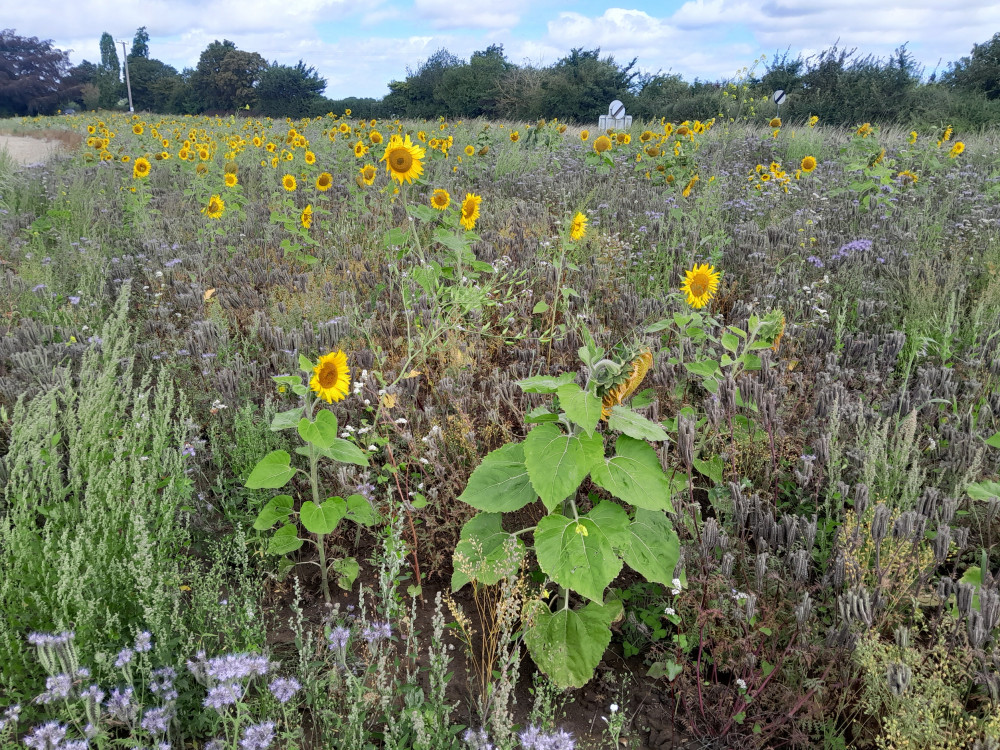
x=621, y=392
x=91, y=129
x=700, y=284
x=331, y=377
x=913, y=137
x=470, y=150
x=310, y=157
x=578, y=227
x=402, y=159
x=257, y=141
x=514, y=136
x=647, y=135
x=683, y=131
x=775, y=122
x=274, y=162
x=653, y=151
x=140, y=168
x=470, y=210
x=484, y=150
x=864, y=130
x=907, y=177
x=368, y=173
x=288, y=183
x=345, y=128
x=957, y=149
x=375, y=137
x=306, y=219
x=440, y=199
x=668, y=128
x=360, y=149
x=808, y=164
x=204, y=154
x=183, y=154
x=623, y=139
x=602, y=144
x=686, y=192
x=215, y=207
x=137, y=128
x=271, y=148
x=813, y=120
x=324, y=181
x=231, y=180
x=584, y=135
x=946, y=135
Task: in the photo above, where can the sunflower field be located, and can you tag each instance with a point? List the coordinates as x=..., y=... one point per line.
x=345, y=433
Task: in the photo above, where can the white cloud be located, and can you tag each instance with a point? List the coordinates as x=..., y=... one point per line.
x=447, y=14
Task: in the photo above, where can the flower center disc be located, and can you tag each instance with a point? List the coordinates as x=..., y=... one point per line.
x=328, y=375
x=699, y=285
x=401, y=160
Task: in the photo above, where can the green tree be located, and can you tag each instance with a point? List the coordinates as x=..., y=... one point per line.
x=581, y=85
x=34, y=76
x=140, y=44
x=108, y=79
x=291, y=91
x=979, y=72
x=152, y=88
x=473, y=89
x=226, y=77
x=422, y=93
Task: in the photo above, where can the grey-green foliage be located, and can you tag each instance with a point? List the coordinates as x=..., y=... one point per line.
x=90, y=535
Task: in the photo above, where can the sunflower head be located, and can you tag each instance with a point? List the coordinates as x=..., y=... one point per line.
x=310, y=157
x=306, y=219
x=584, y=135
x=137, y=128
x=440, y=199
x=813, y=120
x=140, y=168
x=578, y=227
x=288, y=183
x=331, y=377
x=360, y=149
x=957, y=149
x=324, y=181
x=602, y=144
x=616, y=383
x=700, y=285
x=514, y=136
x=470, y=210
x=484, y=150
x=367, y=174
x=215, y=207
x=775, y=122
x=231, y=180
x=808, y=164
x=402, y=159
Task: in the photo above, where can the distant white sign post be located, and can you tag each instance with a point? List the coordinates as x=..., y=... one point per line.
x=779, y=97
x=615, y=118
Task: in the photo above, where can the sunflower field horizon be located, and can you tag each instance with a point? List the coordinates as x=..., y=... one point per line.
x=357, y=432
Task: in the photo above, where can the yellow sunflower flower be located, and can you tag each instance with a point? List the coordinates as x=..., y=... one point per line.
x=470, y=150
x=215, y=207
x=602, y=144
x=620, y=393
x=957, y=149
x=402, y=159
x=514, y=136
x=140, y=168
x=306, y=219
x=368, y=173
x=324, y=181
x=310, y=157
x=775, y=122
x=231, y=180
x=331, y=377
x=137, y=128
x=808, y=164
x=578, y=228
x=584, y=135
x=813, y=120
x=360, y=149
x=288, y=183
x=700, y=284
x=440, y=199
x=470, y=210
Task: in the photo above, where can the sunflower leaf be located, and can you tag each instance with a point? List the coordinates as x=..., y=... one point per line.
x=320, y=433
x=305, y=364
x=500, y=484
x=568, y=644
x=345, y=452
x=271, y=472
x=580, y=406
x=557, y=463
x=545, y=383
x=286, y=419
x=285, y=540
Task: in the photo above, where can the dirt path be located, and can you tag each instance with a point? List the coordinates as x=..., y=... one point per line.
x=28, y=150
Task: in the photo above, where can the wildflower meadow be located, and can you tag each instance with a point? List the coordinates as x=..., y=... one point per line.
x=361, y=433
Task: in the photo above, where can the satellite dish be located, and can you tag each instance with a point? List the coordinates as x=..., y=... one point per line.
x=616, y=109
x=779, y=96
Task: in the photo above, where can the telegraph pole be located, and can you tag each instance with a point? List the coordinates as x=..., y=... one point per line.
x=128, y=84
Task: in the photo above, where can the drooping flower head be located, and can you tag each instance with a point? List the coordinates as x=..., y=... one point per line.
x=470, y=210
x=602, y=144
x=306, y=219
x=215, y=207
x=700, y=284
x=578, y=228
x=331, y=377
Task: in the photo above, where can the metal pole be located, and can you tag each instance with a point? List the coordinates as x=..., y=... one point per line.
x=128, y=84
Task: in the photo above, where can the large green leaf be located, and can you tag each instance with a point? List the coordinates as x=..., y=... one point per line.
x=322, y=519
x=360, y=510
x=568, y=645
x=286, y=419
x=994, y=440
x=558, y=462
x=483, y=552
x=271, y=472
x=985, y=490
x=577, y=555
x=321, y=432
x=652, y=549
x=545, y=383
x=634, y=475
x=580, y=406
x=712, y=468
x=285, y=540
x=635, y=425
x=500, y=484
x=279, y=508
x=348, y=569
x=345, y=452
x=613, y=520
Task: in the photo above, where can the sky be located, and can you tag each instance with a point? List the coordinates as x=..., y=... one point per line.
x=358, y=47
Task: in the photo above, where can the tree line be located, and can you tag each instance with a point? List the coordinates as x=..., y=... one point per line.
x=840, y=86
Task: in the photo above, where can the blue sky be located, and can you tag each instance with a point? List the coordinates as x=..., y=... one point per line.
x=360, y=46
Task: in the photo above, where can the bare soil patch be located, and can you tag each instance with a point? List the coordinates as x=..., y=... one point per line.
x=27, y=150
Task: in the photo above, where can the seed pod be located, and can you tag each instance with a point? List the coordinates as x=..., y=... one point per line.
x=750, y=603
x=945, y=588
x=976, y=627
x=685, y=440
x=942, y=542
